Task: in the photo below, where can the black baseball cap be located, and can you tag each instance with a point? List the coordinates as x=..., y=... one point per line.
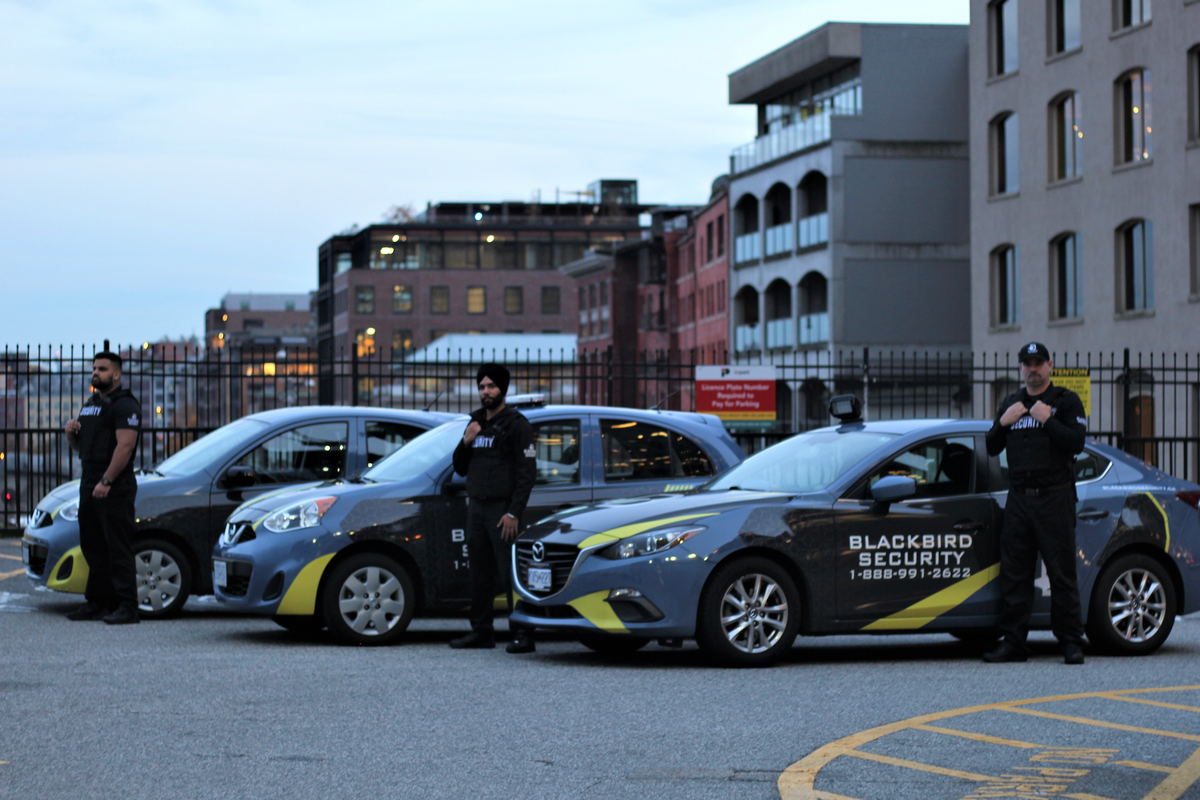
x=1033, y=350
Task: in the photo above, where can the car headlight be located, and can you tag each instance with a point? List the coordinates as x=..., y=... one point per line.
x=69, y=512
x=653, y=542
x=298, y=515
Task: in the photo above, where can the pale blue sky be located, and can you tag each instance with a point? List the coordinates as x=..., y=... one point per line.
x=156, y=154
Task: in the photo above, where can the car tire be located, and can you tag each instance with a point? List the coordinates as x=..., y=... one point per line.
x=368, y=599
x=765, y=597
x=163, y=577
x=1133, y=606
x=613, y=644
x=300, y=623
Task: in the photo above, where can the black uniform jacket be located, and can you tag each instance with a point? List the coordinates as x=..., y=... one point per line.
x=100, y=419
x=1041, y=456
x=502, y=461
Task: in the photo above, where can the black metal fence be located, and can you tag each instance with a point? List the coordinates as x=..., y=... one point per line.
x=1146, y=404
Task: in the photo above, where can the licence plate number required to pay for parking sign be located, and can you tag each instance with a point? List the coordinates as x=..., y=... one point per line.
x=743, y=397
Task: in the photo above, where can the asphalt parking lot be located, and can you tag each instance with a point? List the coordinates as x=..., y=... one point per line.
x=219, y=705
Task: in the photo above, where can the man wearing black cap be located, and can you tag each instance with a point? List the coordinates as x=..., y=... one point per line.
x=1042, y=427
x=498, y=456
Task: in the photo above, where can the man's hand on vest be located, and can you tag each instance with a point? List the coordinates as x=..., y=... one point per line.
x=1041, y=412
x=72, y=426
x=472, y=431
x=508, y=527
x=1014, y=413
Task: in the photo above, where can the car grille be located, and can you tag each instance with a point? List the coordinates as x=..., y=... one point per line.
x=560, y=558
x=37, y=558
x=39, y=519
x=237, y=578
x=547, y=612
x=237, y=533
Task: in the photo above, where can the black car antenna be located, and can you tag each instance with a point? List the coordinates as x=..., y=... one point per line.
x=665, y=399
x=434, y=400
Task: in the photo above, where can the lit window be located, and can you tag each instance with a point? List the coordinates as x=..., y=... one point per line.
x=365, y=342
x=402, y=342
x=402, y=299
x=476, y=300
x=1135, y=131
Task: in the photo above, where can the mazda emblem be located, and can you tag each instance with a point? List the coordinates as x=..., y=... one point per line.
x=539, y=551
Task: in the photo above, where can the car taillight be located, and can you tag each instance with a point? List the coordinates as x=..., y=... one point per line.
x=1191, y=498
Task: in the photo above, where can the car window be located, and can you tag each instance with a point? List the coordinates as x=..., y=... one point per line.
x=430, y=449
x=384, y=438
x=641, y=451
x=805, y=463
x=202, y=452
x=941, y=467
x=1088, y=466
x=309, y=453
x=557, y=452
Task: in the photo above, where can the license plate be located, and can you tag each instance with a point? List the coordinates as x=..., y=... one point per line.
x=219, y=576
x=539, y=579
x=25, y=553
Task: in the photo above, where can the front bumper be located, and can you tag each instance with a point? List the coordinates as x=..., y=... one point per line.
x=276, y=573
x=52, y=557
x=666, y=586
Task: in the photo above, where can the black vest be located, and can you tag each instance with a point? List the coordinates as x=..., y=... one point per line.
x=98, y=432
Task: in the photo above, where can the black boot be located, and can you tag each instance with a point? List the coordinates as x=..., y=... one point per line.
x=522, y=642
x=1004, y=653
x=1072, y=653
x=475, y=640
x=124, y=615
x=87, y=611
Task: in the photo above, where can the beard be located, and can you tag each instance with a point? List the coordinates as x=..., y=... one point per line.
x=492, y=403
x=101, y=384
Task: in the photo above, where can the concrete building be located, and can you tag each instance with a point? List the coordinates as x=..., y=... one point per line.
x=1085, y=175
x=849, y=210
x=254, y=320
x=463, y=267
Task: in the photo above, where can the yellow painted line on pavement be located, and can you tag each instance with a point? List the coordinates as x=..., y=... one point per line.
x=797, y=782
x=980, y=737
x=1102, y=724
x=14, y=558
x=1145, y=766
x=6, y=575
x=1108, y=696
x=917, y=765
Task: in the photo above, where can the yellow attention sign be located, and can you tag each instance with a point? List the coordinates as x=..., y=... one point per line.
x=1078, y=381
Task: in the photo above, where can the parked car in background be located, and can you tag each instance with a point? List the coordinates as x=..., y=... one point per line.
x=182, y=503
x=362, y=556
x=876, y=527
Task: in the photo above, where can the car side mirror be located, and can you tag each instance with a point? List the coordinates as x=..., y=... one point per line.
x=455, y=485
x=239, y=477
x=890, y=490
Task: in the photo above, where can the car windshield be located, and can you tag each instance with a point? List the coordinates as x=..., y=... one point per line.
x=200, y=453
x=805, y=463
x=422, y=453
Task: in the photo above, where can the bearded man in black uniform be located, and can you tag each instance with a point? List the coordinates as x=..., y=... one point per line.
x=1043, y=428
x=498, y=456
x=106, y=436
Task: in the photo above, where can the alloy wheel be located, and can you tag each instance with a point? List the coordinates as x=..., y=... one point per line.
x=1137, y=605
x=754, y=613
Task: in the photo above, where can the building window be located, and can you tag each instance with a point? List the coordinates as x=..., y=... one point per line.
x=1067, y=129
x=514, y=300
x=342, y=263
x=1065, y=283
x=289, y=305
x=747, y=244
x=364, y=341
x=813, y=225
x=1006, y=155
x=779, y=220
x=1134, y=124
x=1002, y=20
x=1193, y=90
x=551, y=300
x=439, y=300
x=1064, y=28
x=708, y=242
x=402, y=300
x=721, y=297
x=1194, y=238
x=402, y=343
x=720, y=235
x=364, y=300
x=1127, y=13
x=476, y=299
x=814, y=309
x=604, y=313
x=1135, y=249
x=434, y=335
x=1005, y=304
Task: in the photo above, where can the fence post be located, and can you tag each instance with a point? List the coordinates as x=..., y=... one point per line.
x=1126, y=423
x=354, y=376
x=608, y=369
x=866, y=375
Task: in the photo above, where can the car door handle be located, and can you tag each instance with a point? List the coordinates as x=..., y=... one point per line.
x=967, y=527
x=1092, y=516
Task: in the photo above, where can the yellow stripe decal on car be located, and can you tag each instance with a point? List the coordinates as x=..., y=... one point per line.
x=597, y=611
x=301, y=597
x=1166, y=523
x=926, y=611
x=625, y=531
x=77, y=581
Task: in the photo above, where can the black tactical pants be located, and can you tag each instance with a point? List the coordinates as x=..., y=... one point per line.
x=1034, y=525
x=491, y=561
x=106, y=539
